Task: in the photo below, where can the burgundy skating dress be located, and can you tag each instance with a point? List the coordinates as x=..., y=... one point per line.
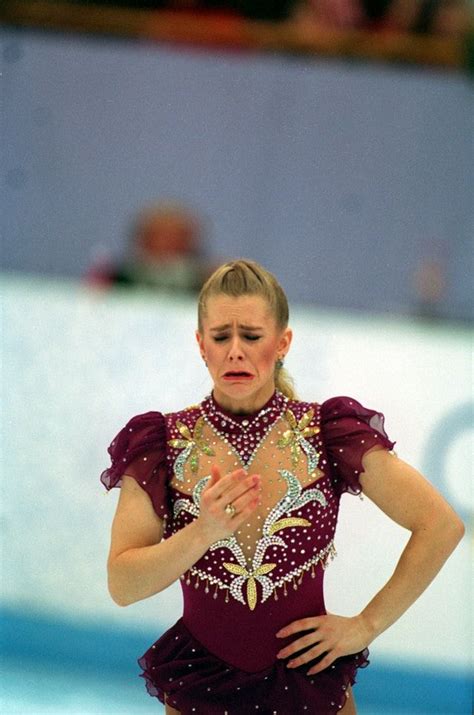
x=220, y=657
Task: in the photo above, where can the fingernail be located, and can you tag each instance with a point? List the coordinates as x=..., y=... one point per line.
x=290, y=664
x=280, y=634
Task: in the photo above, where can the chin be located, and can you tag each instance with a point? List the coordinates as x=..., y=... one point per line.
x=239, y=389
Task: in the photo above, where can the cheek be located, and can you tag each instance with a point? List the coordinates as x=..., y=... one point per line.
x=267, y=357
x=212, y=355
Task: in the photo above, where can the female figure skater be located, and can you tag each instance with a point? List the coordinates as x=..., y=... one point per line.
x=238, y=497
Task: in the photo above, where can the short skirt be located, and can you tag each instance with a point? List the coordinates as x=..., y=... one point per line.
x=179, y=669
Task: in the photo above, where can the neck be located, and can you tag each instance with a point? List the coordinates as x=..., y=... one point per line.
x=244, y=405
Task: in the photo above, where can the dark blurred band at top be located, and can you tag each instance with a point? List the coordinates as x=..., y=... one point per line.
x=439, y=17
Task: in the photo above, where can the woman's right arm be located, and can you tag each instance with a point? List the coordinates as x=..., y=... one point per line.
x=141, y=563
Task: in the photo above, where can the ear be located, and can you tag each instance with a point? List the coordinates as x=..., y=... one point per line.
x=285, y=342
x=200, y=342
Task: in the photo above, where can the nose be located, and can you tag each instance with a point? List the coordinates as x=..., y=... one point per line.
x=235, y=349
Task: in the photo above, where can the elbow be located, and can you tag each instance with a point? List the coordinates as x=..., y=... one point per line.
x=119, y=597
x=444, y=528
x=458, y=529
x=117, y=591
x=451, y=530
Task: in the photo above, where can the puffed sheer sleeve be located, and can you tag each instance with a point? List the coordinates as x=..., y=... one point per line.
x=349, y=430
x=139, y=451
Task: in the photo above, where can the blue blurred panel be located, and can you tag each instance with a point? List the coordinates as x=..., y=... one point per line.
x=342, y=177
x=42, y=688
x=110, y=654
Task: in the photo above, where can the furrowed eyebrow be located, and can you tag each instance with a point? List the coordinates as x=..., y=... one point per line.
x=250, y=328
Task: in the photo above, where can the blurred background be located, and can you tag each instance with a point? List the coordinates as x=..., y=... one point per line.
x=143, y=144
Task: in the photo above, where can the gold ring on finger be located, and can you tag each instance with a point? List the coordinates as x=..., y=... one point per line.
x=230, y=509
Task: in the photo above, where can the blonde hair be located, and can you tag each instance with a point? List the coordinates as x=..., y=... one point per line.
x=245, y=277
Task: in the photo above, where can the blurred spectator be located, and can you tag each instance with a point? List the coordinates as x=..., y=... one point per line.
x=164, y=253
x=430, y=287
x=440, y=17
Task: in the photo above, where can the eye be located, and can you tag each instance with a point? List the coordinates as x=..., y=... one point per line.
x=220, y=338
x=252, y=337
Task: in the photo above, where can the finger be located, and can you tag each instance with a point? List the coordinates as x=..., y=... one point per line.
x=243, y=486
x=299, y=644
x=228, y=481
x=304, y=624
x=318, y=651
x=249, y=497
x=323, y=664
x=215, y=476
x=242, y=494
x=239, y=518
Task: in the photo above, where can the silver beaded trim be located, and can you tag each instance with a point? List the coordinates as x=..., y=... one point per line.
x=245, y=424
x=269, y=587
x=323, y=557
x=260, y=419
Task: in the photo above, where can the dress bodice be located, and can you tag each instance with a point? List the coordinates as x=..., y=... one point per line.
x=269, y=572
x=291, y=530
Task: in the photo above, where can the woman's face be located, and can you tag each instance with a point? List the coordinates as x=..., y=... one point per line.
x=240, y=342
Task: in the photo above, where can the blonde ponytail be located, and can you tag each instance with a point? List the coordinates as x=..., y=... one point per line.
x=285, y=383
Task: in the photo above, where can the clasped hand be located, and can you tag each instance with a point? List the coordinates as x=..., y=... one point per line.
x=237, y=488
x=331, y=636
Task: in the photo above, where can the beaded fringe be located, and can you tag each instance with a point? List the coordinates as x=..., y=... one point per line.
x=293, y=579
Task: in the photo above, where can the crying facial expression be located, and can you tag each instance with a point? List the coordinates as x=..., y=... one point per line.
x=241, y=341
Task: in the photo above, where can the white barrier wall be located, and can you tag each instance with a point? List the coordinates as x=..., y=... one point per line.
x=79, y=364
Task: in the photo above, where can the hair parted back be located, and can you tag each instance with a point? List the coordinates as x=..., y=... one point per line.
x=244, y=277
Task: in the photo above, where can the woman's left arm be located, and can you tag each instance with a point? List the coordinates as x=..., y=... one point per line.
x=412, y=502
